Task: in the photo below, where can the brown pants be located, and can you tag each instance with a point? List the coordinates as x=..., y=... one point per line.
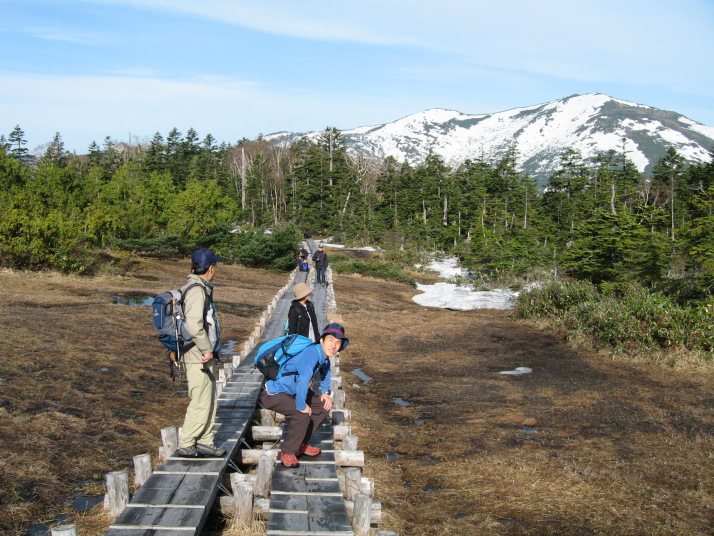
x=301, y=424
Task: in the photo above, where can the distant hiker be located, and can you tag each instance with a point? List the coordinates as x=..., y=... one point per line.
x=302, y=254
x=301, y=316
x=292, y=393
x=202, y=324
x=320, y=258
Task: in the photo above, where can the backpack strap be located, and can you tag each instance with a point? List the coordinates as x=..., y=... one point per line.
x=206, y=302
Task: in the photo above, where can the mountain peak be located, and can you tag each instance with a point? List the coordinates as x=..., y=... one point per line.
x=591, y=124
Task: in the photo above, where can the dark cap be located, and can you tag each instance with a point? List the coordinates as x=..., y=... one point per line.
x=336, y=330
x=204, y=257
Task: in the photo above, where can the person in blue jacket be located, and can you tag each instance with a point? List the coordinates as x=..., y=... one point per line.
x=302, y=392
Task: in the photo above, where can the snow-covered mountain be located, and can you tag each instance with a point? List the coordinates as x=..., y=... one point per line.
x=591, y=124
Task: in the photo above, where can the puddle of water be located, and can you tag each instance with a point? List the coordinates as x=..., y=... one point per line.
x=507, y=521
x=460, y=516
x=428, y=459
x=419, y=421
x=82, y=503
x=401, y=402
x=362, y=376
x=103, y=369
x=393, y=456
x=431, y=490
x=229, y=347
x=3, y=379
x=133, y=300
x=517, y=372
x=44, y=529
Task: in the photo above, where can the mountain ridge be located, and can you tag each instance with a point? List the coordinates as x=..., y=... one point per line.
x=592, y=123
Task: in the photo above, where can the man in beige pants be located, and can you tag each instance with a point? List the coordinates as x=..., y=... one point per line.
x=201, y=323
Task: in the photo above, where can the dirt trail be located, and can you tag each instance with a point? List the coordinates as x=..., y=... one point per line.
x=582, y=445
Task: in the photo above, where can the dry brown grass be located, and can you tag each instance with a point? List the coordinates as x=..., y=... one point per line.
x=85, y=383
x=617, y=447
x=583, y=445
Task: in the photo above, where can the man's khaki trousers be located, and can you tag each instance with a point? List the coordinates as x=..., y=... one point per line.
x=201, y=411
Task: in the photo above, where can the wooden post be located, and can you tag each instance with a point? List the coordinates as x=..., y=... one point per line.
x=366, y=486
x=339, y=399
x=353, y=475
x=169, y=437
x=228, y=367
x=117, y=491
x=64, y=530
x=142, y=469
x=344, y=458
x=350, y=442
x=266, y=464
x=243, y=504
x=362, y=515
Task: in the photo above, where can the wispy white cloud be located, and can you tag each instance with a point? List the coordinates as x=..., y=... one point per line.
x=116, y=105
x=77, y=38
x=643, y=42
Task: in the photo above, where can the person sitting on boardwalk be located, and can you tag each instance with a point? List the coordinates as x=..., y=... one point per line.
x=301, y=316
x=292, y=396
x=201, y=324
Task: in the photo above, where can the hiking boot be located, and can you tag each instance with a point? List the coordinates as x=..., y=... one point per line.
x=187, y=452
x=307, y=450
x=289, y=460
x=210, y=450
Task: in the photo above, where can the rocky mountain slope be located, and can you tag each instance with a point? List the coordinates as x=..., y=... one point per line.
x=590, y=123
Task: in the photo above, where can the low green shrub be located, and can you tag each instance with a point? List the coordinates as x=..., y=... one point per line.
x=389, y=271
x=625, y=317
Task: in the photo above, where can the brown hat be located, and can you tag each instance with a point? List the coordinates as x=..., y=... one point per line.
x=301, y=290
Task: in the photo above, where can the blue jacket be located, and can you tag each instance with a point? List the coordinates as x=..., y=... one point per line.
x=306, y=363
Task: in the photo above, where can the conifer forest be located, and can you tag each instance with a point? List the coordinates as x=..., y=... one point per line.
x=599, y=225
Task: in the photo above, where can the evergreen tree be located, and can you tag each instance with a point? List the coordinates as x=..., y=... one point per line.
x=17, y=142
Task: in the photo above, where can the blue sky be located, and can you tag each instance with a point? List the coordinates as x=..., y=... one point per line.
x=89, y=69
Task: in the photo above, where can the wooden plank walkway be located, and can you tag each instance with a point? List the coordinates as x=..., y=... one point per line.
x=178, y=496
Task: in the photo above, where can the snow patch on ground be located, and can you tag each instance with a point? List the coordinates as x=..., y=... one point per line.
x=459, y=297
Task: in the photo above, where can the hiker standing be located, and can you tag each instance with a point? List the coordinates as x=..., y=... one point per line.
x=201, y=323
x=320, y=258
x=291, y=394
x=302, y=318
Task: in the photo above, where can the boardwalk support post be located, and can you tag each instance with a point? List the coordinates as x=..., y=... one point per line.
x=353, y=475
x=266, y=464
x=243, y=504
x=350, y=442
x=142, y=469
x=169, y=437
x=117, y=491
x=362, y=515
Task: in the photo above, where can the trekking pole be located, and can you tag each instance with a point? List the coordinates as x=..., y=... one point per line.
x=179, y=356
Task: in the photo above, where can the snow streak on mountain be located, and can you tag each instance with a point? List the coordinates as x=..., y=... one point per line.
x=590, y=124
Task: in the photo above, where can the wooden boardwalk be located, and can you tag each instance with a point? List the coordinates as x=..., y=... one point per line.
x=178, y=496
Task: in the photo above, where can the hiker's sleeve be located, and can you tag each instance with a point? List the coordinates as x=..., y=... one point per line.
x=194, y=303
x=306, y=368
x=292, y=320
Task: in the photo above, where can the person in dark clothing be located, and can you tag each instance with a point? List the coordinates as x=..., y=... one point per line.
x=302, y=318
x=320, y=258
x=302, y=255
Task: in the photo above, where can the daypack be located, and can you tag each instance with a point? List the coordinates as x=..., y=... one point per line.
x=272, y=355
x=167, y=315
x=304, y=267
